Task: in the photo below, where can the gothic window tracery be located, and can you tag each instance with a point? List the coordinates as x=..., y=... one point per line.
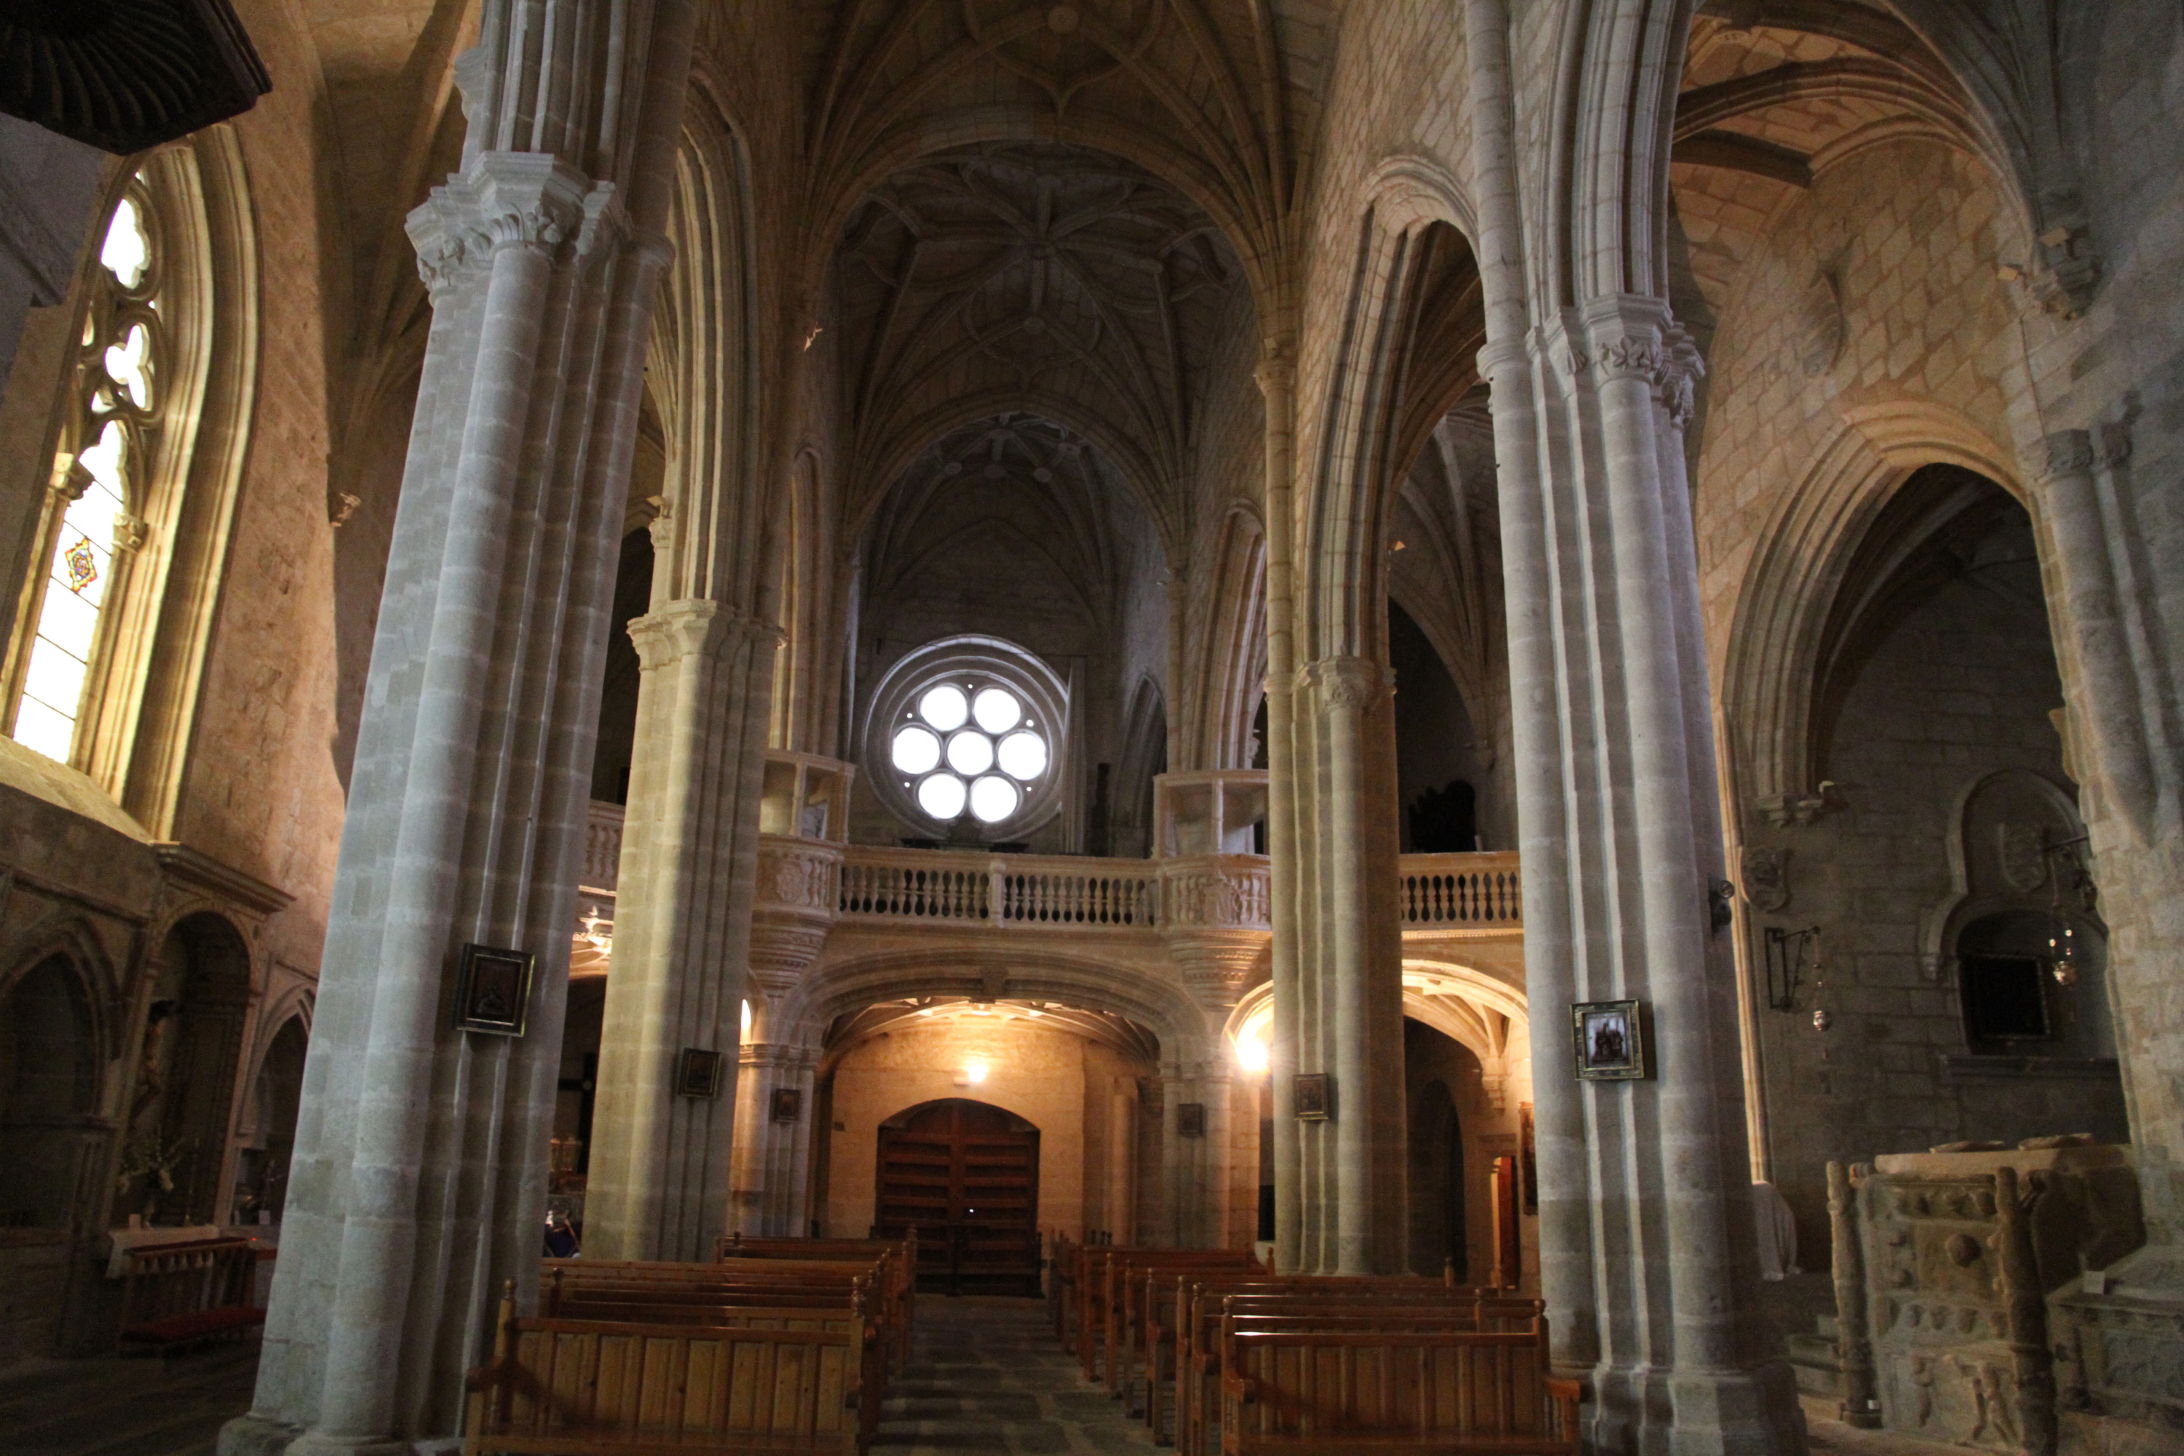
x=95, y=520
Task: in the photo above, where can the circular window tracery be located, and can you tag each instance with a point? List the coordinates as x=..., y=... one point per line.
x=983, y=773
x=967, y=732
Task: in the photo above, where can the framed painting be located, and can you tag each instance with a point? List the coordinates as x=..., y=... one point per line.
x=1610, y=1041
x=697, y=1073
x=493, y=990
x=1312, y=1095
x=788, y=1104
x=1190, y=1119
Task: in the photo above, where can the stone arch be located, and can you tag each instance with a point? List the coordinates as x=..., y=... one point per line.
x=802, y=1014
x=1799, y=573
x=1383, y=394
x=1145, y=740
x=190, y=1059
x=1233, y=673
x=705, y=371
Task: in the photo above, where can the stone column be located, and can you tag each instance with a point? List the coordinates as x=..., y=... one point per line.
x=2126, y=747
x=1195, y=1165
x=419, y=1174
x=660, y=1160
x=772, y=1150
x=1356, y=943
x=1648, y=1257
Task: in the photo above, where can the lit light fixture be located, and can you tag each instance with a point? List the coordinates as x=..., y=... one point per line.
x=596, y=933
x=746, y=1020
x=974, y=1072
x=1251, y=1052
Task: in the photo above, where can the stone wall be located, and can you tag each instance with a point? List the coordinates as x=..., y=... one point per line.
x=1065, y=1085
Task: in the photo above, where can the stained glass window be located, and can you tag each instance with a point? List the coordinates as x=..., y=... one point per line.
x=116, y=371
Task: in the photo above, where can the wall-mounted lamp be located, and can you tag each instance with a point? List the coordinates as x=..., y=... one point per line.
x=1786, y=962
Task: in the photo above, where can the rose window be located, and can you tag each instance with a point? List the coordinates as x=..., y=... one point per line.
x=961, y=746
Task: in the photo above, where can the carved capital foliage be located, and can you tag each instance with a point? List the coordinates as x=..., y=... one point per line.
x=505, y=200
x=673, y=631
x=1346, y=684
x=1277, y=368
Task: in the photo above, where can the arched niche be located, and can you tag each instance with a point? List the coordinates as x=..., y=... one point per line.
x=175, y=1127
x=48, y=1094
x=266, y=1138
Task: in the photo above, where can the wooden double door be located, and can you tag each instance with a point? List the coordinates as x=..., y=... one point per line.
x=965, y=1175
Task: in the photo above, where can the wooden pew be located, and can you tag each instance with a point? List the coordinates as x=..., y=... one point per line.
x=581, y=1387
x=1308, y=1302
x=770, y=1294
x=1439, y=1391
x=1107, y=1281
x=897, y=1283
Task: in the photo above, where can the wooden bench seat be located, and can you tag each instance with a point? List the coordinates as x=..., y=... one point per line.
x=584, y=1387
x=1450, y=1392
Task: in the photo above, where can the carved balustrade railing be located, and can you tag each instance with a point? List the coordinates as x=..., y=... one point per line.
x=926, y=885
x=602, y=846
x=1462, y=891
x=966, y=887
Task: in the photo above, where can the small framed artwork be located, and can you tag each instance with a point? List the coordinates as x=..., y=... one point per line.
x=1611, y=1041
x=788, y=1104
x=1312, y=1096
x=697, y=1073
x=493, y=990
x=1190, y=1119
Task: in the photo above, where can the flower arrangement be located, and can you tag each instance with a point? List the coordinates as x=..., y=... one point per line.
x=153, y=1157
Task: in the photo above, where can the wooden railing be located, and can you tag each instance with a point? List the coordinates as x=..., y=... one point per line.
x=1462, y=890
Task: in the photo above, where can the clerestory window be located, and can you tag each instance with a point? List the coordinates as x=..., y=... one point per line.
x=94, y=523
x=107, y=648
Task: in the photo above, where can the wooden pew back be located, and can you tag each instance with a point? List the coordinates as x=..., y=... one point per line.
x=559, y=1387
x=1444, y=1391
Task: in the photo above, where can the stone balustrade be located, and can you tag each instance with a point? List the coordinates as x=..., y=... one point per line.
x=868, y=884
x=1462, y=891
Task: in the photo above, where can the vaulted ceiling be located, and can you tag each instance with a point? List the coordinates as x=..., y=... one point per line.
x=1031, y=276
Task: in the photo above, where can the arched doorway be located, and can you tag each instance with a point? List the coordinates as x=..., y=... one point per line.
x=965, y=1176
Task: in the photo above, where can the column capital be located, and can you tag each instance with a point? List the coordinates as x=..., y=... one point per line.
x=2067, y=453
x=1346, y=684
x=672, y=631
x=527, y=200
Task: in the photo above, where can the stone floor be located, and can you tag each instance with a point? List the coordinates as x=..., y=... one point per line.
x=139, y=1406
x=986, y=1375
x=986, y=1378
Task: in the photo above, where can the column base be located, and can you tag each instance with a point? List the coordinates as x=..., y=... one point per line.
x=1752, y=1412
x=257, y=1435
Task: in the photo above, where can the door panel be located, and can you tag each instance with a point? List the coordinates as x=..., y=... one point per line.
x=965, y=1175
